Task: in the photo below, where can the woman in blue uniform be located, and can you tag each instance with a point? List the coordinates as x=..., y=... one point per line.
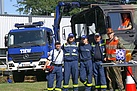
x=85, y=63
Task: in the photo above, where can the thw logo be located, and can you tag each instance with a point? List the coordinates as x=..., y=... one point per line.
x=25, y=50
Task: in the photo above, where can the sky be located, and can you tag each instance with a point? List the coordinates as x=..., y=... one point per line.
x=9, y=8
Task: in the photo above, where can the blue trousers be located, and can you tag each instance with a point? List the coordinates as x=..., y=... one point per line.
x=99, y=75
x=70, y=68
x=86, y=74
x=59, y=76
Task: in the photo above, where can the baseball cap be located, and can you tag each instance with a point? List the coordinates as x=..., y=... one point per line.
x=109, y=30
x=97, y=34
x=71, y=35
x=83, y=36
x=57, y=43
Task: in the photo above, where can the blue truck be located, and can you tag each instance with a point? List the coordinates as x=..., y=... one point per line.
x=28, y=47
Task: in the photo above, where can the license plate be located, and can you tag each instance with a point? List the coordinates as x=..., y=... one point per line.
x=24, y=65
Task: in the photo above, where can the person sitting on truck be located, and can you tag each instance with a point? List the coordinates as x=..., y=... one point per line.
x=56, y=58
x=126, y=22
x=9, y=79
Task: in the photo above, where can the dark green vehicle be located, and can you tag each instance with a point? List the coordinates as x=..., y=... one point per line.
x=99, y=17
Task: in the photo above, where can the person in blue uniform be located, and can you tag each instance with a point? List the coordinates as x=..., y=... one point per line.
x=9, y=80
x=70, y=50
x=98, y=48
x=85, y=51
x=56, y=58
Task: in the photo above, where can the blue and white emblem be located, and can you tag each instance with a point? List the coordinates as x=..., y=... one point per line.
x=120, y=54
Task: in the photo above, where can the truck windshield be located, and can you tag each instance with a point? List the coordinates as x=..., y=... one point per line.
x=26, y=38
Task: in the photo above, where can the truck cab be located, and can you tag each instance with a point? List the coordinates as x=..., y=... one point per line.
x=102, y=16
x=28, y=47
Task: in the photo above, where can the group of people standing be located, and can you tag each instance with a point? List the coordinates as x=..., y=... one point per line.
x=90, y=56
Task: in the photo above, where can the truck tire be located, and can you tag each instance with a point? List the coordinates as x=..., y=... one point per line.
x=18, y=76
x=41, y=75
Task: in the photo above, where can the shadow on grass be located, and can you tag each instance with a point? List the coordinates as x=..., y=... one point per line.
x=80, y=88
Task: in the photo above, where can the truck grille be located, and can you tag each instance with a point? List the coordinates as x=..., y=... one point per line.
x=26, y=57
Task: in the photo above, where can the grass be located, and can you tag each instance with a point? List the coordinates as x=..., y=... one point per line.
x=36, y=86
x=29, y=86
x=32, y=86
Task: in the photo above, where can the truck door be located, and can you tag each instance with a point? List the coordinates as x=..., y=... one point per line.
x=127, y=36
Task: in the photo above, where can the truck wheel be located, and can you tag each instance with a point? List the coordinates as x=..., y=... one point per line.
x=18, y=76
x=41, y=75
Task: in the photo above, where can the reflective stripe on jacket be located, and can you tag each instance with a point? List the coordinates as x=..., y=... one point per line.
x=111, y=47
x=70, y=51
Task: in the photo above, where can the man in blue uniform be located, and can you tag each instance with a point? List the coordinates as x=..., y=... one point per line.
x=56, y=57
x=98, y=48
x=70, y=50
x=85, y=51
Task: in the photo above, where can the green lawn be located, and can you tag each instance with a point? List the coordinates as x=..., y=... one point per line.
x=36, y=86
x=32, y=86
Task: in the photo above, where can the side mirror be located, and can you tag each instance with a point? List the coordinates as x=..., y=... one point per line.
x=6, y=40
x=108, y=22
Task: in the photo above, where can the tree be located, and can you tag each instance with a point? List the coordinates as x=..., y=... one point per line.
x=36, y=7
x=41, y=7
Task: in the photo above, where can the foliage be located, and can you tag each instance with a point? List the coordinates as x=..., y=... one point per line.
x=42, y=7
x=37, y=7
x=2, y=79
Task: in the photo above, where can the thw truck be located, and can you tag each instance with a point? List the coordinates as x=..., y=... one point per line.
x=28, y=47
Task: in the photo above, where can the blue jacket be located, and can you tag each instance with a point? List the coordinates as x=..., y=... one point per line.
x=70, y=51
x=85, y=52
x=102, y=48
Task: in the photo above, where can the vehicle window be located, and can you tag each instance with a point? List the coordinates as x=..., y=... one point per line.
x=92, y=29
x=120, y=21
x=81, y=29
x=16, y=38
x=115, y=20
